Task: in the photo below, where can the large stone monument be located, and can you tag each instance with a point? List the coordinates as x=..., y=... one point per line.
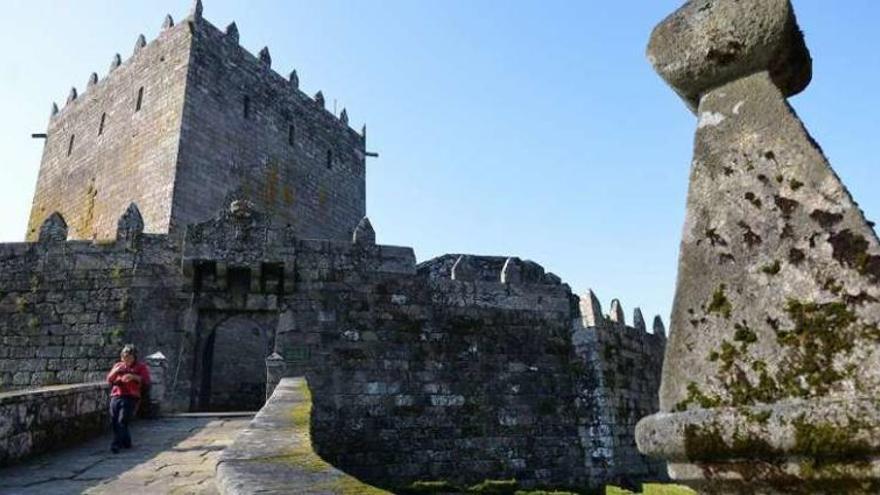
x=772, y=371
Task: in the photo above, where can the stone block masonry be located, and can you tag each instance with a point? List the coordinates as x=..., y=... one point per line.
x=274, y=453
x=36, y=421
x=67, y=307
x=242, y=256
x=190, y=117
x=414, y=367
x=116, y=143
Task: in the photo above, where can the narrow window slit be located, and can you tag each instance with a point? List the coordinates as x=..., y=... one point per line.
x=140, y=100
x=247, y=106
x=101, y=125
x=70, y=144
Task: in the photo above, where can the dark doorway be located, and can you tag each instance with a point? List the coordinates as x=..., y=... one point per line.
x=234, y=366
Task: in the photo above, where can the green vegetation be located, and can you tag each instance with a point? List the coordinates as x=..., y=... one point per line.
x=772, y=268
x=652, y=489
x=430, y=487
x=695, y=396
x=501, y=487
x=719, y=303
x=826, y=440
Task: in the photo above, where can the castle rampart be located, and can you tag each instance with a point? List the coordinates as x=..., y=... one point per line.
x=117, y=143
x=245, y=124
x=188, y=118
x=253, y=261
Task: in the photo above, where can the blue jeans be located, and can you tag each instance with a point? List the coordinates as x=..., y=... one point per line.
x=121, y=412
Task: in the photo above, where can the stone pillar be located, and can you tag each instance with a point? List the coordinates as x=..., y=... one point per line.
x=274, y=372
x=158, y=367
x=772, y=368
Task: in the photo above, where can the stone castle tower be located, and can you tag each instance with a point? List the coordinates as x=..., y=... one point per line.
x=190, y=117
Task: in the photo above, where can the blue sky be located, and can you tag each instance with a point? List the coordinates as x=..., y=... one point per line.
x=528, y=128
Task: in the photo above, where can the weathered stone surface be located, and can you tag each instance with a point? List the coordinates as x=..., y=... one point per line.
x=708, y=43
x=232, y=32
x=115, y=62
x=130, y=224
x=171, y=455
x=54, y=229
x=274, y=453
x=265, y=57
x=658, y=327
x=140, y=43
x=616, y=314
x=196, y=10
x=464, y=269
x=415, y=368
x=165, y=100
x=364, y=234
x=776, y=310
x=639, y=320
x=49, y=418
x=511, y=273
x=591, y=310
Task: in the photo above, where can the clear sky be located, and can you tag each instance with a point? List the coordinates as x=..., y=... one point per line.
x=529, y=128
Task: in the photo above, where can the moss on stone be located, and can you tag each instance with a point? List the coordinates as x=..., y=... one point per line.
x=500, y=487
x=771, y=268
x=728, y=355
x=744, y=334
x=821, y=331
x=751, y=446
x=696, y=396
x=704, y=442
x=719, y=304
x=430, y=487
x=753, y=199
x=851, y=250
x=826, y=440
x=664, y=489
x=757, y=417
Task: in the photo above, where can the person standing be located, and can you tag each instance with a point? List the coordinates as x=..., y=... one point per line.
x=128, y=378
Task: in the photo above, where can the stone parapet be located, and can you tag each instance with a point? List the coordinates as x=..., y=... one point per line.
x=274, y=453
x=36, y=420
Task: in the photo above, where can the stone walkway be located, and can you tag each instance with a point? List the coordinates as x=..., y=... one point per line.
x=171, y=455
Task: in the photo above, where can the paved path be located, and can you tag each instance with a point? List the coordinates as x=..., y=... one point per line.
x=171, y=455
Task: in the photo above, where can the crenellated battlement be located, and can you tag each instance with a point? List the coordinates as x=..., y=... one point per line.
x=195, y=202
x=187, y=117
x=192, y=24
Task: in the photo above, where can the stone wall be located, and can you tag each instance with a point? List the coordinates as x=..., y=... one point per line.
x=190, y=117
x=413, y=367
x=35, y=421
x=274, y=453
x=618, y=388
x=103, y=153
x=246, y=126
x=67, y=307
x=416, y=367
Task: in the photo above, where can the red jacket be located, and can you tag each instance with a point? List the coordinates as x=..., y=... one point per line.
x=131, y=388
